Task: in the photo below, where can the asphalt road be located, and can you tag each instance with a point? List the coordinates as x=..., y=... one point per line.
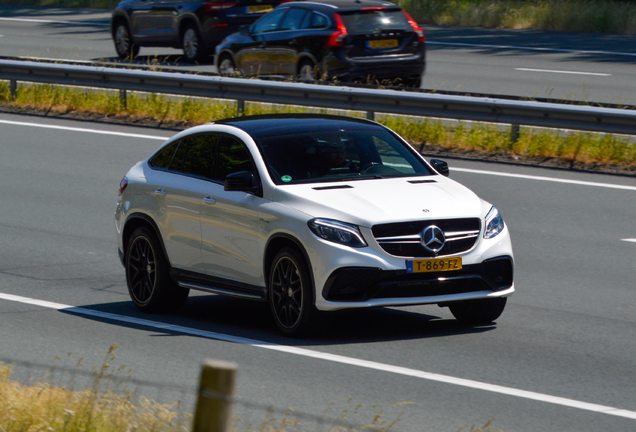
x=562, y=356
x=572, y=66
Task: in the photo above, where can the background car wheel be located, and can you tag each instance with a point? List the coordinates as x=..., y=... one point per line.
x=291, y=292
x=192, y=44
x=124, y=45
x=227, y=67
x=149, y=284
x=478, y=311
x=306, y=71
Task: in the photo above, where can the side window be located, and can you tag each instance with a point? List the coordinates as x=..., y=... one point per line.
x=318, y=21
x=293, y=19
x=269, y=22
x=163, y=159
x=195, y=155
x=232, y=156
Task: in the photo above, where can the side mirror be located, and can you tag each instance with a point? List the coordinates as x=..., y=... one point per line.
x=242, y=181
x=440, y=166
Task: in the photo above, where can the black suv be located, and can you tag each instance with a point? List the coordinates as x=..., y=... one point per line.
x=367, y=41
x=195, y=26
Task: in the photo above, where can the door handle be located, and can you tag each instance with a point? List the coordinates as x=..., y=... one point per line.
x=209, y=200
x=161, y=192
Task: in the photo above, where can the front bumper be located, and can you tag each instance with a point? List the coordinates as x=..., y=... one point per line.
x=355, y=284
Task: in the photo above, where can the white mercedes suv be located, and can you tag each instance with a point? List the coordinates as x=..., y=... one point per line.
x=308, y=213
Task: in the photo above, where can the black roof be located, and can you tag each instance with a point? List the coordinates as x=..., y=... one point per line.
x=263, y=126
x=341, y=4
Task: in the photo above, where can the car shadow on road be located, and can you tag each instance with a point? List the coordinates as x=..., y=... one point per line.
x=226, y=318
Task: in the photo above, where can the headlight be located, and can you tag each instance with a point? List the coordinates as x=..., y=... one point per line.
x=337, y=232
x=494, y=223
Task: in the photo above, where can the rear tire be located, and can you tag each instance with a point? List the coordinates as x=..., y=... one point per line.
x=478, y=311
x=290, y=293
x=194, y=49
x=124, y=45
x=306, y=71
x=227, y=66
x=147, y=275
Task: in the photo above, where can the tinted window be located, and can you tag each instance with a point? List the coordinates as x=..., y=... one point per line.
x=293, y=19
x=269, y=22
x=194, y=156
x=231, y=156
x=318, y=21
x=337, y=155
x=164, y=157
x=370, y=21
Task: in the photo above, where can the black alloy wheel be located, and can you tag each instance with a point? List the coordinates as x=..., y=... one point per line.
x=291, y=292
x=192, y=44
x=306, y=71
x=482, y=311
x=149, y=284
x=124, y=45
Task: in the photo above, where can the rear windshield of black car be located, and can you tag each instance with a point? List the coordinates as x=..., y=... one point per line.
x=374, y=21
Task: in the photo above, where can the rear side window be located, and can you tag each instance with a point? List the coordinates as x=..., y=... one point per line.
x=209, y=156
x=371, y=21
x=293, y=19
x=315, y=20
x=163, y=159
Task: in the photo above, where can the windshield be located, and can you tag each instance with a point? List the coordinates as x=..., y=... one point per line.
x=338, y=155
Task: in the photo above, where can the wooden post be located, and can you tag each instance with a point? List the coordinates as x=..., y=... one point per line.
x=216, y=391
x=13, y=86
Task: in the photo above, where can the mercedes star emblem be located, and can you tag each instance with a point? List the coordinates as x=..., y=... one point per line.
x=433, y=239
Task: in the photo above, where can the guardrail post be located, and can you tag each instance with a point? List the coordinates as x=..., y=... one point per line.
x=240, y=107
x=370, y=115
x=216, y=390
x=514, y=133
x=123, y=99
x=13, y=86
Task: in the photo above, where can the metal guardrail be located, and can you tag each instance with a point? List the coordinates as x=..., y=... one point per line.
x=528, y=113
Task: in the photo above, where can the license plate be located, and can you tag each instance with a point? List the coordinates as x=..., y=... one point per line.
x=434, y=265
x=259, y=8
x=386, y=43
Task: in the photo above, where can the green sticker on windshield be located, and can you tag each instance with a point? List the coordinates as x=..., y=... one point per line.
x=286, y=178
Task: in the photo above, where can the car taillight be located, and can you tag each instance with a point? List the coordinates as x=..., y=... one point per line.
x=122, y=185
x=337, y=38
x=217, y=6
x=416, y=28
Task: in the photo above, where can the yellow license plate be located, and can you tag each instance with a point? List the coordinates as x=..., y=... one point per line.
x=259, y=8
x=386, y=43
x=434, y=265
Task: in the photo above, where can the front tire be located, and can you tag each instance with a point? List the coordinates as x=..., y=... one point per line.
x=306, y=71
x=227, y=66
x=193, y=47
x=147, y=275
x=124, y=45
x=291, y=292
x=482, y=311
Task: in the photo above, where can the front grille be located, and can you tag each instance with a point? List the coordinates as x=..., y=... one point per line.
x=403, y=238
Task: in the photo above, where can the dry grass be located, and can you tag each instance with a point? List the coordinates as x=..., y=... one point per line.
x=590, y=16
x=586, y=148
x=43, y=406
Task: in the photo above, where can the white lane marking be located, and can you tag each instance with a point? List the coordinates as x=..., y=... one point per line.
x=531, y=48
x=81, y=23
x=602, y=409
x=84, y=130
x=562, y=72
x=629, y=240
x=550, y=179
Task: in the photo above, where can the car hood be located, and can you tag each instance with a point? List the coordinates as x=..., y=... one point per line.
x=369, y=202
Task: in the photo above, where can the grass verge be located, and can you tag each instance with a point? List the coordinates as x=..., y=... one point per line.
x=589, y=151
x=590, y=16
